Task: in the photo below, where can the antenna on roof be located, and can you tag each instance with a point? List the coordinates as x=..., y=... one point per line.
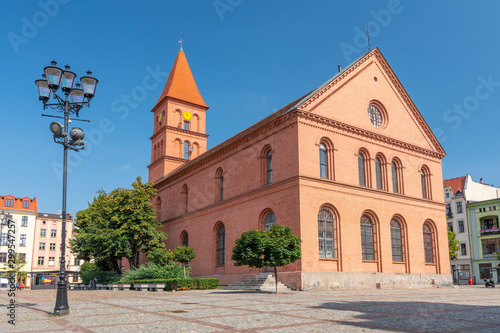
x=368, y=36
x=180, y=42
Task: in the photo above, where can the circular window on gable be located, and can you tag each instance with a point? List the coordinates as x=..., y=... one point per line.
x=377, y=114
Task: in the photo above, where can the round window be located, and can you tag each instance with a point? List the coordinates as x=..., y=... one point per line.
x=375, y=116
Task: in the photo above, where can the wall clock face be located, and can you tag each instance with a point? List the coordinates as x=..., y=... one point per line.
x=187, y=115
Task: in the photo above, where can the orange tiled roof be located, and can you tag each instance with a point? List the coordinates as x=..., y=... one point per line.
x=180, y=83
x=455, y=184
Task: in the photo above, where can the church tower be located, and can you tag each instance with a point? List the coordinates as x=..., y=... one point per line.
x=179, y=122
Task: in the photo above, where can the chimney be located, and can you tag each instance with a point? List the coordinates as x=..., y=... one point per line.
x=340, y=68
x=481, y=180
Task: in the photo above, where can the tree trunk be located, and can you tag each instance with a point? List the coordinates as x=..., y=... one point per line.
x=131, y=262
x=276, y=278
x=184, y=267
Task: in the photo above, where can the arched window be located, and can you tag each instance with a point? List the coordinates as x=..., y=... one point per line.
x=378, y=173
x=364, y=168
x=397, y=241
x=269, y=167
x=429, y=244
x=184, y=238
x=219, y=179
x=395, y=182
x=220, y=246
x=323, y=161
x=186, y=125
x=185, y=194
x=186, y=150
x=268, y=221
x=327, y=234
x=368, y=238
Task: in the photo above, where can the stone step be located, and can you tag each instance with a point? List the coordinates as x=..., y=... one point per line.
x=262, y=281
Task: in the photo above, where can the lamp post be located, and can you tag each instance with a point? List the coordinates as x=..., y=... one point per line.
x=52, y=79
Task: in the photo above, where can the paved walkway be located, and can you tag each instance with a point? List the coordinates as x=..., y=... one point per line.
x=464, y=309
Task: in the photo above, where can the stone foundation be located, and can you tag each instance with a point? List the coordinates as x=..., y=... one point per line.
x=362, y=281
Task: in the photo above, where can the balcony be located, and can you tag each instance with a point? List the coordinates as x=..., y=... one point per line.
x=492, y=231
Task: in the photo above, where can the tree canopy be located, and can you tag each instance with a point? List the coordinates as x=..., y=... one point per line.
x=183, y=254
x=275, y=247
x=453, y=244
x=118, y=225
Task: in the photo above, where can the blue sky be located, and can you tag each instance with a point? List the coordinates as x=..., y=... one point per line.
x=249, y=58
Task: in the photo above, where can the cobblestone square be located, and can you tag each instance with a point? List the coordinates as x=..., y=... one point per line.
x=463, y=309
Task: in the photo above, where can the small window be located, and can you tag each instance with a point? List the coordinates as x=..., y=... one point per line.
x=447, y=195
x=459, y=207
x=268, y=221
x=461, y=227
x=9, y=202
x=53, y=233
x=76, y=262
x=24, y=221
x=41, y=261
x=186, y=150
x=52, y=246
x=323, y=161
x=448, y=209
x=185, y=239
x=22, y=240
x=221, y=239
x=26, y=204
x=4, y=238
x=186, y=125
x=463, y=250
x=22, y=256
x=269, y=167
x=450, y=226
x=43, y=232
x=3, y=257
x=361, y=170
x=44, y=222
x=52, y=261
x=378, y=173
x=41, y=246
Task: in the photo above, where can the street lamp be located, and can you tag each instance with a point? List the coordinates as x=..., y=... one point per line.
x=52, y=79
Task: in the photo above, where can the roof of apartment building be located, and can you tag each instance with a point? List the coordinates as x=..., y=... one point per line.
x=456, y=184
x=53, y=216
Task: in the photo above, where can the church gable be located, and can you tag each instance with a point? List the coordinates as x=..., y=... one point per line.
x=368, y=96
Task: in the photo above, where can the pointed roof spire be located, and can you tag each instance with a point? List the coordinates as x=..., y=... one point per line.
x=180, y=83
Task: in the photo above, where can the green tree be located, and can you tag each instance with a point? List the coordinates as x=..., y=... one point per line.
x=183, y=254
x=14, y=265
x=160, y=256
x=116, y=225
x=276, y=247
x=453, y=244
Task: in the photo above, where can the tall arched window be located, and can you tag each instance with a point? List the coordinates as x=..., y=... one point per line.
x=269, y=167
x=221, y=240
x=268, y=221
x=429, y=244
x=425, y=180
x=186, y=150
x=397, y=241
x=327, y=234
x=368, y=238
x=378, y=173
x=184, y=238
x=424, y=185
x=361, y=170
x=323, y=161
x=394, y=169
x=219, y=177
x=185, y=194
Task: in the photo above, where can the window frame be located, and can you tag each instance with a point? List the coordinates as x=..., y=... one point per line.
x=327, y=221
x=268, y=220
x=429, y=239
x=220, y=245
x=24, y=221
x=367, y=224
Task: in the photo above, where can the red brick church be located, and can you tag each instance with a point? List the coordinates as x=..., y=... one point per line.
x=352, y=167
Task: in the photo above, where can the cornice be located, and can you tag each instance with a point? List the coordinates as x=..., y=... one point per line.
x=162, y=129
x=168, y=98
x=368, y=134
x=168, y=158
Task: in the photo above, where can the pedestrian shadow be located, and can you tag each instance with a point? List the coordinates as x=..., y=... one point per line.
x=416, y=316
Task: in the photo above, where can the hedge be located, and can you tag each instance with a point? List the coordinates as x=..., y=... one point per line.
x=182, y=284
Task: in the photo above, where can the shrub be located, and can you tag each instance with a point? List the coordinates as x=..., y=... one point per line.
x=90, y=270
x=182, y=284
x=152, y=271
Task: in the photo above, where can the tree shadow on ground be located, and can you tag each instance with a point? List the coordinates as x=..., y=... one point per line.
x=414, y=316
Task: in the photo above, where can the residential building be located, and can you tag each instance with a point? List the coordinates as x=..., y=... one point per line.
x=352, y=167
x=485, y=238
x=23, y=212
x=458, y=192
x=47, y=247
